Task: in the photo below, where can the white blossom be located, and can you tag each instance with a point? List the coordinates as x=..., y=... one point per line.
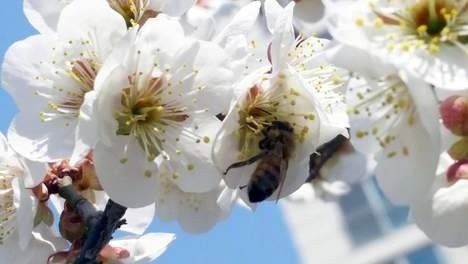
x=394, y=118
x=49, y=75
x=195, y=212
x=44, y=14
x=428, y=38
x=300, y=89
x=158, y=103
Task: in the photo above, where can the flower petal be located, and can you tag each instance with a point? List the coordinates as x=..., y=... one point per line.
x=138, y=219
x=26, y=205
x=44, y=14
x=144, y=249
x=41, y=141
x=123, y=172
x=97, y=21
x=442, y=212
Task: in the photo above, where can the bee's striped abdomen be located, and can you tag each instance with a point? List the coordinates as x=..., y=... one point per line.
x=265, y=179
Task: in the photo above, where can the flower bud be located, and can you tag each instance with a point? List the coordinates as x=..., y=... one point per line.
x=113, y=254
x=459, y=150
x=71, y=225
x=454, y=112
x=458, y=171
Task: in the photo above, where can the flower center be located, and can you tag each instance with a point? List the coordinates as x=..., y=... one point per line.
x=133, y=11
x=262, y=107
x=67, y=101
x=429, y=15
x=146, y=112
x=432, y=22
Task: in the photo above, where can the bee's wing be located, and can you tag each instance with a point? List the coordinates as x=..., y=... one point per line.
x=283, y=168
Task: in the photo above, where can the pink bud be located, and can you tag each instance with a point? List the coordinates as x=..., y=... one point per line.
x=458, y=171
x=110, y=253
x=454, y=112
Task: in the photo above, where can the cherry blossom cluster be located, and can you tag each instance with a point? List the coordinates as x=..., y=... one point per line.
x=179, y=109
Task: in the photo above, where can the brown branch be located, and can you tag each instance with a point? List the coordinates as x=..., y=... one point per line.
x=101, y=225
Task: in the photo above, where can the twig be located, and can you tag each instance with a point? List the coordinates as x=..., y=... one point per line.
x=80, y=204
x=101, y=225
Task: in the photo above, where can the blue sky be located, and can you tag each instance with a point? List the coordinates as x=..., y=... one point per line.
x=245, y=237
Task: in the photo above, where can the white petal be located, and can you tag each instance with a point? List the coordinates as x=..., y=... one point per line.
x=360, y=61
x=448, y=69
x=144, y=249
x=304, y=194
x=177, y=7
x=403, y=178
x=442, y=212
x=225, y=149
x=86, y=131
x=21, y=68
x=121, y=169
x=26, y=205
x=41, y=141
x=215, y=76
x=427, y=106
x=202, y=176
x=272, y=13
x=204, y=215
x=43, y=244
x=310, y=17
x=44, y=14
x=348, y=167
x=108, y=99
x=283, y=38
x=164, y=33
x=138, y=219
x=34, y=173
x=241, y=23
x=97, y=22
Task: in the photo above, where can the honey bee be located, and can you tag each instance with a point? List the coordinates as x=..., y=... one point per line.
x=277, y=146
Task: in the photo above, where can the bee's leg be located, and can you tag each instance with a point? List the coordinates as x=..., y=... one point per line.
x=242, y=187
x=245, y=162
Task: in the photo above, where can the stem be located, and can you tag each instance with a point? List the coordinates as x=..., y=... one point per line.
x=101, y=225
x=101, y=233
x=80, y=204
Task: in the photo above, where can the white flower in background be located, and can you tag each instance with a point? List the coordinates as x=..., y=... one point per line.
x=309, y=16
x=195, y=212
x=49, y=76
x=44, y=14
x=394, y=118
x=429, y=38
x=441, y=211
x=157, y=104
x=138, y=11
x=126, y=250
x=44, y=242
x=237, y=30
x=20, y=240
x=285, y=111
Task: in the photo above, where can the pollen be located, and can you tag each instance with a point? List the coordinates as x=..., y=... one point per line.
x=190, y=167
x=360, y=22
x=148, y=173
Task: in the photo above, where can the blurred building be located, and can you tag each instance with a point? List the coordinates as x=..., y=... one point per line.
x=362, y=228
